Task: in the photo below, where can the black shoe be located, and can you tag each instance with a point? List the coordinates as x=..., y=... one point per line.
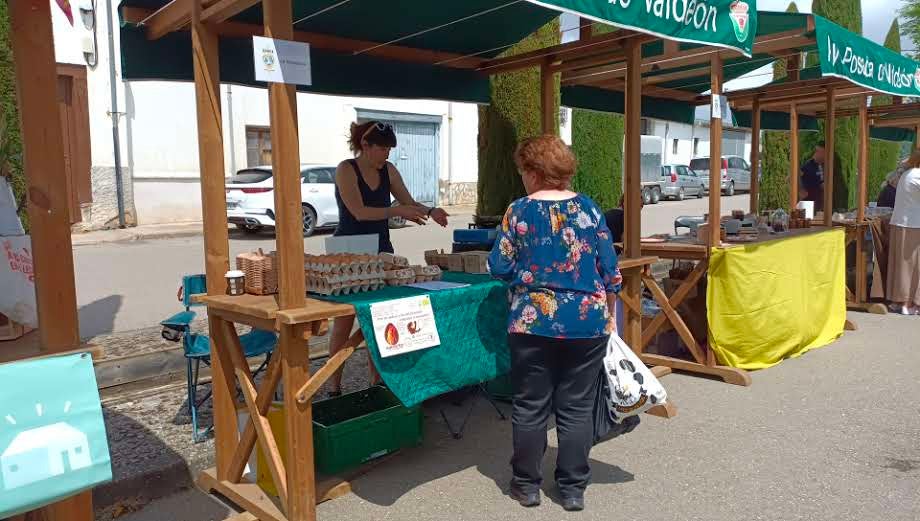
x=573, y=504
x=526, y=500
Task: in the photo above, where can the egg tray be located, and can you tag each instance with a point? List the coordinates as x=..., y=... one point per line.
x=412, y=275
x=343, y=274
x=393, y=262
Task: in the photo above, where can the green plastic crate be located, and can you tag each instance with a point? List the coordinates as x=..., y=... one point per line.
x=362, y=426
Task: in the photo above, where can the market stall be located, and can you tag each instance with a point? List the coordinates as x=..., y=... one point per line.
x=423, y=60
x=836, y=87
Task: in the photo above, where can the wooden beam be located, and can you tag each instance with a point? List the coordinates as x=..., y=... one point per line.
x=548, y=100
x=755, y=157
x=603, y=43
x=829, y=129
x=171, y=17
x=793, y=156
x=715, y=157
x=861, y=198
x=633, y=217
x=206, y=63
x=295, y=361
x=335, y=362
x=43, y=158
x=225, y=9
x=334, y=43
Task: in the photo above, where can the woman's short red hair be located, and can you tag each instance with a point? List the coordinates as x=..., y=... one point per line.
x=548, y=158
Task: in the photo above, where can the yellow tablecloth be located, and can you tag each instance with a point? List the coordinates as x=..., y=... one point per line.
x=777, y=299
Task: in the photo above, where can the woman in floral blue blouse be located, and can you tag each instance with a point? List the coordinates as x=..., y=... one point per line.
x=555, y=251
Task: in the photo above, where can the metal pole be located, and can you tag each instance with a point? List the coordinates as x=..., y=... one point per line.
x=115, y=115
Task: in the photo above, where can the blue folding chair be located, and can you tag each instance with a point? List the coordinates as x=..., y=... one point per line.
x=198, y=346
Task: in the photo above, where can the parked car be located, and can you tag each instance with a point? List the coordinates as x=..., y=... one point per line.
x=679, y=181
x=251, y=198
x=736, y=173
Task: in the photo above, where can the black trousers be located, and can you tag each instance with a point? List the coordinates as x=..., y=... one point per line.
x=551, y=375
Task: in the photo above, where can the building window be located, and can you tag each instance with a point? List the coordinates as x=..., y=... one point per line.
x=696, y=146
x=258, y=146
x=674, y=147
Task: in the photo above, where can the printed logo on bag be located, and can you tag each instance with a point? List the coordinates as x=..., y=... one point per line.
x=739, y=17
x=43, y=453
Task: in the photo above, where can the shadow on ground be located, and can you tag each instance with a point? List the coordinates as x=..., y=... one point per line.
x=485, y=447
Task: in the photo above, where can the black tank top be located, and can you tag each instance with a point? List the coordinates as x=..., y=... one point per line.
x=379, y=198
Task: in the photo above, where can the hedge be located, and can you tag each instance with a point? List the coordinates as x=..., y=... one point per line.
x=9, y=122
x=512, y=115
x=597, y=140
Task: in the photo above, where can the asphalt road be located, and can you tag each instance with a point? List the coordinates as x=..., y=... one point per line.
x=132, y=285
x=831, y=435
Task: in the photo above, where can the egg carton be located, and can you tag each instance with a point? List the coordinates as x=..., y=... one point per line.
x=393, y=262
x=369, y=266
x=322, y=286
x=426, y=273
x=400, y=277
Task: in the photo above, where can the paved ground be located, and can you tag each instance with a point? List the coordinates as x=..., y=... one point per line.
x=832, y=435
x=131, y=283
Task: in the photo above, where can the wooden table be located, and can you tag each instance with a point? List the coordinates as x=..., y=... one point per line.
x=297, y=326
x=858, y=298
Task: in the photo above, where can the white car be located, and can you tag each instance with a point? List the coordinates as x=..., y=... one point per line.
x=251, y=198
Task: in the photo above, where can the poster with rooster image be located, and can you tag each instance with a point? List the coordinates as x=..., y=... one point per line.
x=404, y=325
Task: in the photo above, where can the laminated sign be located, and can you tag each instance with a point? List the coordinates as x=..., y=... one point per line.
x=723, y=23
x=404, y=325
x=52, y=435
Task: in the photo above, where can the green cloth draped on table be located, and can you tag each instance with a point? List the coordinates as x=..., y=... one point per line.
x=472, y=323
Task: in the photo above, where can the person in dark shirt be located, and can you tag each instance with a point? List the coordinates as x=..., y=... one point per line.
x=812, y=180
x=615, y=221
x=889, y=188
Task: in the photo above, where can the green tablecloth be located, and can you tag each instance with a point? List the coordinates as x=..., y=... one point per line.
x=472, y=323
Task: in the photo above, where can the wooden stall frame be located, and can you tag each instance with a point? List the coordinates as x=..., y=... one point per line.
x=49, y=213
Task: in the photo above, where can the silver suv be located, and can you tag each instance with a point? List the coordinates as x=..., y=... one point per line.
x=736, y=173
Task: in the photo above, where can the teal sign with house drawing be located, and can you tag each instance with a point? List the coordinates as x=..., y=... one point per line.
x=52, y=434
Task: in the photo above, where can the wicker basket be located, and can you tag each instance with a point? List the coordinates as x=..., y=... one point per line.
x=261, y=272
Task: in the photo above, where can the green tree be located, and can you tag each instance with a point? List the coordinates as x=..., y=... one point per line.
x=847, y=14
x=597, y=140
x=884, y=155
x=910, y=23
x=774, y=185
x=512, y=115
x=11, y=148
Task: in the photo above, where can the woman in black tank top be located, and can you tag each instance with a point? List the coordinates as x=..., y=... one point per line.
x=363, y=187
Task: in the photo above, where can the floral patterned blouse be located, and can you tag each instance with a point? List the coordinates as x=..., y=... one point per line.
x=559, y=260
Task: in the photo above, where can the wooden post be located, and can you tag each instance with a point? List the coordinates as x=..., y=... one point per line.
x=295, y=361
x=755, y=155
x=585, y=28
x=715, y=154
x=43, y=157
x=632, y=187
x=214, y=216
x=917, y=137
x=862, y=181
x=830, y=123
x=793, y=156
x=548, y=100
x=49, y=213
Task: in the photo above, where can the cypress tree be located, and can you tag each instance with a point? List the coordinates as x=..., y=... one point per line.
x=512, y=115
x=774, y=185
x=847, y=14
x=597, y=140
x=884, y=155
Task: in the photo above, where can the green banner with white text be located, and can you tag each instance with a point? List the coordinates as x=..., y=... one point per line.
x=864, y=62
x=723, y=23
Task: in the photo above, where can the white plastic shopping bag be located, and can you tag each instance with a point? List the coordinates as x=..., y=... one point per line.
x=17, y=300
x=633, y=387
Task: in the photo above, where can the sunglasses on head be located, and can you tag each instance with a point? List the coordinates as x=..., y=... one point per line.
x=381, y=127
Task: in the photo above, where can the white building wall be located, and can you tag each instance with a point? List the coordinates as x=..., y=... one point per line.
x=158, y=133
x=686, y=134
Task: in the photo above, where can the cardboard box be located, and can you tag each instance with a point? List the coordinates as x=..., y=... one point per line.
x=476, y=262
x=455, y=262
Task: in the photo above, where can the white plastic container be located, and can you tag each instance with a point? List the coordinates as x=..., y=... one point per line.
x=236, y=283
x=809, y=207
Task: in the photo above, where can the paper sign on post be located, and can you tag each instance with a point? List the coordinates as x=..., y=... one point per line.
x=716, y=106
x=404, y=325
x=281, y=61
